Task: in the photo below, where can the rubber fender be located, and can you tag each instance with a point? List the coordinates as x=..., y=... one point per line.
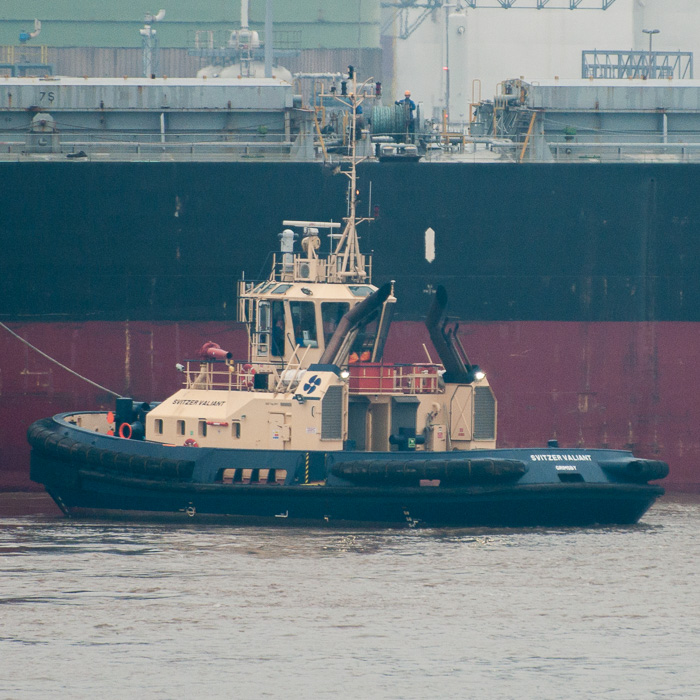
x=43, y=435
x=64, y=446
x=51, y=441
x=106, y=459
x=154, y=469
x=138, y=465
x=162, y=468
x=637, y=470
x=80, y=452
x=93, y=455
x=185, y=469
x=452, y=472
x=38, y=429
x=38, y=437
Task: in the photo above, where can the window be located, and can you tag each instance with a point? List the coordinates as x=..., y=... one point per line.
x=180, y=427
x=331, y=313
x=264, y=316
x=159, y=426
x=236, y=429
x=202, y=429
x=277, y=314
x=262, y=288
x=304, y=321
x=360, y=291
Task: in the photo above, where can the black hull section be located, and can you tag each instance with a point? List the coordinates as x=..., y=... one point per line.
x=549, y=505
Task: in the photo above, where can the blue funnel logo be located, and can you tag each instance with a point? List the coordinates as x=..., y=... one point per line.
x=311, y=385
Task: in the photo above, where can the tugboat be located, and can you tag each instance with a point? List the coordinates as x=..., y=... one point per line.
x=314, y=428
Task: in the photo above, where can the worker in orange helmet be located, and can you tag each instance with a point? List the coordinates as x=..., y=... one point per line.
x=409, y=107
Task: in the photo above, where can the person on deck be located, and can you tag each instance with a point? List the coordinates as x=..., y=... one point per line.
x=409, y=107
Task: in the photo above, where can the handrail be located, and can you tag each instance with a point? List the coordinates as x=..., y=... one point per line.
x=527, y=136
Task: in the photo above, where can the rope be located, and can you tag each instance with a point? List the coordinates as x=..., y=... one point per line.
x=51, y=359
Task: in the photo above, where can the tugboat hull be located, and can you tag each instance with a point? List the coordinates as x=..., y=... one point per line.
x=92, y=475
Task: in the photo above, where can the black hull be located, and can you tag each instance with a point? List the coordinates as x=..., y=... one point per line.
x=86, y=493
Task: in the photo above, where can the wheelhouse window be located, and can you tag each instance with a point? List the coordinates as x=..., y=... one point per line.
x=331, y=313
x=304, y=322
x=202, y=428
x=159, y=426
x=360, y=290
x=180, y=427
x=277, y=328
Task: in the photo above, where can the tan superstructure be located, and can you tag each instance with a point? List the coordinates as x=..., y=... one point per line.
x=314, y=379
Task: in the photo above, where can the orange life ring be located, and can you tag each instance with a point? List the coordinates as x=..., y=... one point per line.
x=123, y=428
x=191, y=442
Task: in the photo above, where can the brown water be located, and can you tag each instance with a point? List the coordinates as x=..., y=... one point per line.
x=90, y=610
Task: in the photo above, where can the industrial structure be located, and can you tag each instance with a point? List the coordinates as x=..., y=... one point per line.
x=97, y=38
x=593, y=119
x=127, y=118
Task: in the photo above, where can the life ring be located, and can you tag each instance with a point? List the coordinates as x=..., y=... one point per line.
x=191, y=442
x=125, y=428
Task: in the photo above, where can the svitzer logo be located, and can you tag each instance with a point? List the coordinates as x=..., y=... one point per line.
x=311, y=385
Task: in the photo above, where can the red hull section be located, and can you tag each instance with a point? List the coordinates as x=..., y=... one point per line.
x=617, y=385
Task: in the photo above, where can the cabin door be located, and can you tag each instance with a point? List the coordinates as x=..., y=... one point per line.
x=461, y=413
x=278, y=432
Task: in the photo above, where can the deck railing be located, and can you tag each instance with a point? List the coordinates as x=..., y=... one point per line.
x=366, y=378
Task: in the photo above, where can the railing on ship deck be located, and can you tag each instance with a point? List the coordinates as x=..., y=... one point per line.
x=365, y=378
x=377, y=378
x=234, y=376
x=318, y=269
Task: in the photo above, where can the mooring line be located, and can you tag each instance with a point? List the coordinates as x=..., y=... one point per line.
x=62, y=366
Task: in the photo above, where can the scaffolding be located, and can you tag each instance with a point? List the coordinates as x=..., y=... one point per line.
x=22, y=61
x=637, y=64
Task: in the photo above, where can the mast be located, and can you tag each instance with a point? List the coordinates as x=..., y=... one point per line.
x=347, y=261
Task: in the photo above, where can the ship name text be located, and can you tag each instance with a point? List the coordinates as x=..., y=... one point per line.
x=560, y=458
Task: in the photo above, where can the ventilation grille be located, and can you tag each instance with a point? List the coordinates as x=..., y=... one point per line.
x=484, y=414
x=332, y=414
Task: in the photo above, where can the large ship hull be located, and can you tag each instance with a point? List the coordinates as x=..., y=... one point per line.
x=576, y=285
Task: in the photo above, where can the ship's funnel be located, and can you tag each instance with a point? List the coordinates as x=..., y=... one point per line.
x=457, y=366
